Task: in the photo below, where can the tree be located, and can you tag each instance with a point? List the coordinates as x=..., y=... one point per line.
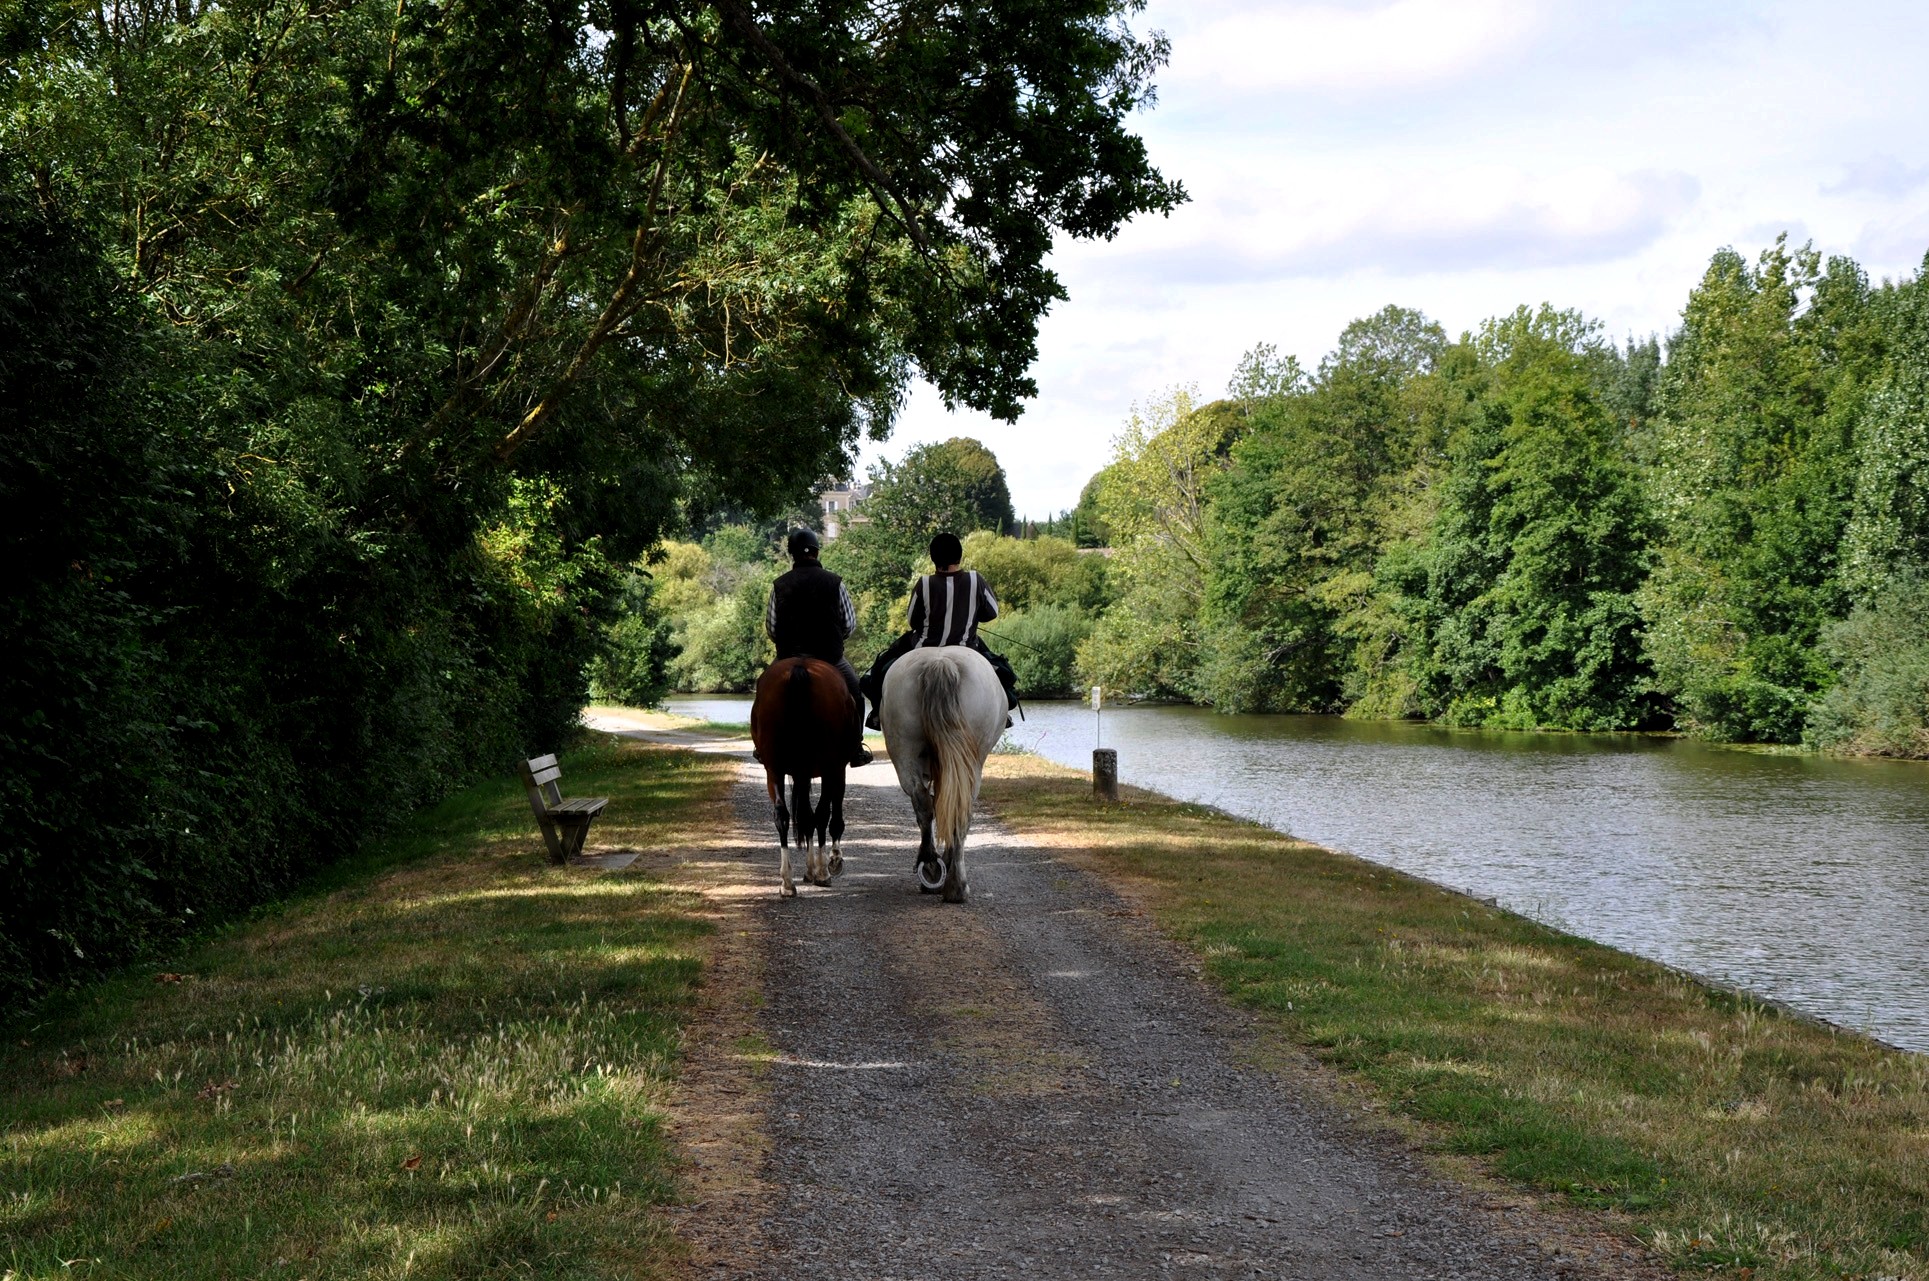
x=1887, y=535
x=1753, y=482
x=455, y=307
x=1294, y=525
x=1154, y=502
x=1539, y=545
x=955, y=485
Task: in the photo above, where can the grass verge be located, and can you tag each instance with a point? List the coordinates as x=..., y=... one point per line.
x=448, y=1064
x=1730, y=1137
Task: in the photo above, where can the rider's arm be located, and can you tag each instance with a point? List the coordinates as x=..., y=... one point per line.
x=916, y=623
x=987, y=603
x=846, y=612
x=770, y=614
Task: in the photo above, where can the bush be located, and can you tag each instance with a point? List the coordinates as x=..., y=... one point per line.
x=214, y=687
x=633, y=665
x=1880, y=704
x=1042, y=645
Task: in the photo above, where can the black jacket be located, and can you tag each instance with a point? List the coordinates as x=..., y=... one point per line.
x=809, y=613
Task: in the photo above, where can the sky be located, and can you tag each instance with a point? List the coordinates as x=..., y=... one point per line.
x=1461, y=157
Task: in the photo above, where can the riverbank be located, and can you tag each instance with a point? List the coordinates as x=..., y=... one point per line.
x=1728, y=1136
x=454, y=1062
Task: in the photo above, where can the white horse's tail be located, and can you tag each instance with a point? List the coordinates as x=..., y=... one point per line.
x=954, y=755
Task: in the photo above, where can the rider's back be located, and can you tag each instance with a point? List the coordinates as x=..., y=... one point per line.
x=808, y=609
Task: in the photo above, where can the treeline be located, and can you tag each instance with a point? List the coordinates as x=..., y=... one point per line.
x=1531, y=526
x=350, y=355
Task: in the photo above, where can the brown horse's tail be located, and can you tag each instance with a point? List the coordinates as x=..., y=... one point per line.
x=954, y=763
x=794, y=725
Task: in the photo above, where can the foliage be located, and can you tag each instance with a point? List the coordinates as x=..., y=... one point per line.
x=1879, y=706
x=1295, y=522
x=956, y=485
x=371, y=341
x=632, y=666
x=1888, y=526
x=1528, y=615
x=1042, y=646
x=711, y=597
x=1533, y=527
x=1753, y=474
x=1154, y=501
x=1027, y=572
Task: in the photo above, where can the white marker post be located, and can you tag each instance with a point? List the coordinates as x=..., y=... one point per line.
x=1105, y=761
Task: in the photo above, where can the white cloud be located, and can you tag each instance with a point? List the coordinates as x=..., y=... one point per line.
x=1415, y=223
x=1880, y=176
x=1463, y=159
x=1406, y=44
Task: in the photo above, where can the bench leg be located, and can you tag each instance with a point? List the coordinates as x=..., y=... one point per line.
x=557, y=841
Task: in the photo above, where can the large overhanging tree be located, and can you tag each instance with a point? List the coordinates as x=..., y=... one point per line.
x=346, y=344
x=637, y=249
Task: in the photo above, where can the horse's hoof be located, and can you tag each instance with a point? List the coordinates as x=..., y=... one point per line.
x=931, y=876
x=788, y=891
x=837, y=864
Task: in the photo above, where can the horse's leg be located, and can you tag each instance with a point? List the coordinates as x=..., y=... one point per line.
x=834, y=807
x=928, y=861
x=806, y=828
x=774, y=784
x=954, y=873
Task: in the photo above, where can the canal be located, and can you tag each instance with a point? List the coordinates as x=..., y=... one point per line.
x=1802, y=878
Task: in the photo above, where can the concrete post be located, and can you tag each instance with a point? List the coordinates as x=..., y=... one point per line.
x=1105, y=774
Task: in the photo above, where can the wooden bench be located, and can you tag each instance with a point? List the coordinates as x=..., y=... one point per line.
x=565, y=823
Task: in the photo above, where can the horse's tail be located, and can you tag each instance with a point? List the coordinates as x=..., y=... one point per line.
x=954, y=760
x=794, y=726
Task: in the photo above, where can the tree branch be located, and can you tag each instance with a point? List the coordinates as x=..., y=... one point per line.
x=874, y=177
x=622, y=303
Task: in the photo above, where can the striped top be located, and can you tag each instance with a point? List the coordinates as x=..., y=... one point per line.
x=947, y=608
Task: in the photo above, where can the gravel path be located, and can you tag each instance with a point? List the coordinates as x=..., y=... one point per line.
x=1036, y=1084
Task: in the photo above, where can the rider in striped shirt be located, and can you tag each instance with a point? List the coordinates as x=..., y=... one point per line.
x=946, y=608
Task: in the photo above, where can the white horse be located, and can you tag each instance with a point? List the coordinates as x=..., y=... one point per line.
x=944, y=710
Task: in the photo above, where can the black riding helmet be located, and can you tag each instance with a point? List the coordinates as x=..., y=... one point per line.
x=801, y=544
x=946, y=550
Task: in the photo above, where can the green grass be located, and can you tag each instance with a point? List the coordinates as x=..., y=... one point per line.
x=444, y=1063
x=1734, y=1139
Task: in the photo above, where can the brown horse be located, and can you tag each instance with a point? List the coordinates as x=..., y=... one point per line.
x=801, y=723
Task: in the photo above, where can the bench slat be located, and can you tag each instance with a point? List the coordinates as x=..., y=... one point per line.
x=542, y=762
x=548, y=774
x=581, y=805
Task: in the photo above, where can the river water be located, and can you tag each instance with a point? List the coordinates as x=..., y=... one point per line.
x=1801, y=878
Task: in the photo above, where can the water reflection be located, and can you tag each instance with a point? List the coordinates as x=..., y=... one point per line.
x=1800, y=877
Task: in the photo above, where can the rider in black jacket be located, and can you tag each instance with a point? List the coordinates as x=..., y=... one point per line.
x=810, y=614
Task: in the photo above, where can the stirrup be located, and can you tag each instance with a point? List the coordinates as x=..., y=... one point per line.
x=861, y=757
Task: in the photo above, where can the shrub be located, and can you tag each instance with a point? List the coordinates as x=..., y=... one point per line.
x=1880, y=704
x=1042, y=645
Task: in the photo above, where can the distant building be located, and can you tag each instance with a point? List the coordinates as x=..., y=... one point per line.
x=838, y=500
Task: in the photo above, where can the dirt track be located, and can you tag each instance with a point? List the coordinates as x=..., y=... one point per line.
x=1033, y=1084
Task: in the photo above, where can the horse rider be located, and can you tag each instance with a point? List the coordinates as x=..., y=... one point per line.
x=809, y=615
x=946, y=608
